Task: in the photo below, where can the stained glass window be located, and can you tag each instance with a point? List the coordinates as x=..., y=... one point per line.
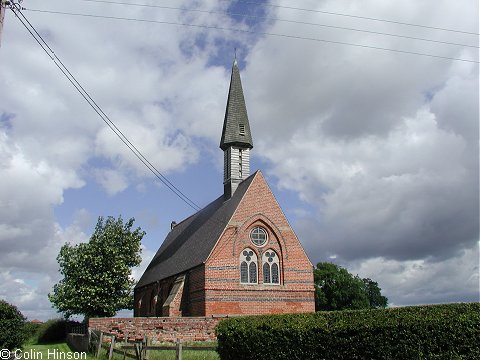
x=271, y=267
x=248, y=267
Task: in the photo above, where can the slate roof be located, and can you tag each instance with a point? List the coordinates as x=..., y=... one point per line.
x=236, y=115
x=190, y=242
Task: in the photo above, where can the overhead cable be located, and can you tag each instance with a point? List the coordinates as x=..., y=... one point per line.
x=312, y=11
x=39, y=39
x=264, y=18
x=296, y=37
x=351, y=16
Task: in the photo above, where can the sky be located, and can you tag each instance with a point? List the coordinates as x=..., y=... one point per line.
x=373, y=154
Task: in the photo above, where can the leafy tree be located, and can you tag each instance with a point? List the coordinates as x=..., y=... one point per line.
x=375, y=297
x=337, y=289
x=12, y=323
x=97, y=275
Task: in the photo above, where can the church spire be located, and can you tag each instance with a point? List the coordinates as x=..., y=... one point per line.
x=236, y=140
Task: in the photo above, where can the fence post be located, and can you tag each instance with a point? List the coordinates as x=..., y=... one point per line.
x=112, y=345
x=125, y=343
x=179, y=350
x=99, y=344
x=89, y=334
x=138, y=351
x=147, y=342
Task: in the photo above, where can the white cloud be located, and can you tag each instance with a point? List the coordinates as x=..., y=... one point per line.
x=423, y=281
x=112, y=181
x=383, y=145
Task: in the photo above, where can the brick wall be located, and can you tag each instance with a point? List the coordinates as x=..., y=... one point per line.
x=159, y=329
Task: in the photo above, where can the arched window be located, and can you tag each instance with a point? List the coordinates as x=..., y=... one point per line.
x=271, y=267
x=266, y=273
x=153, y=304
x=248, y=267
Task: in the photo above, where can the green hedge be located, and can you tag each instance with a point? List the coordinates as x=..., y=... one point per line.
x=54, y=330
x=420, y=332
x=12, y=324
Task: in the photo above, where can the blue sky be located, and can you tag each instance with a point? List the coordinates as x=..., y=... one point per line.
x=373, y=155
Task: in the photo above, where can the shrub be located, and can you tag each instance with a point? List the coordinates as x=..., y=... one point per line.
x=54, y=330
x=12, y=322
x=422, y=332
x=31, y=330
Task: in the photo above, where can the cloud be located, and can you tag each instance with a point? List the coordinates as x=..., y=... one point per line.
x=411, y=282
x=383, y=145
x=112, y=181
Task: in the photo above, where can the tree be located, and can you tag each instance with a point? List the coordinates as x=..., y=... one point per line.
x=375, y=297
x=97, y=275
x=337, y=289
x=12, y=323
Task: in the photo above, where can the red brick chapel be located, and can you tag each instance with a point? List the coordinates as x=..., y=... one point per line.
x=238, y=255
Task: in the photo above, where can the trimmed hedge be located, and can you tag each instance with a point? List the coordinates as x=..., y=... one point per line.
x=54, y=330
x=419, y=332
x=12, y=323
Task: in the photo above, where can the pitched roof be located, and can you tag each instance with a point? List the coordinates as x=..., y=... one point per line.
x=236, y=128
x=190, y=242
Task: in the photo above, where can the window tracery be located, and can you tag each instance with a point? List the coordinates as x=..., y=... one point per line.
x=271, y=267
x=248, y=267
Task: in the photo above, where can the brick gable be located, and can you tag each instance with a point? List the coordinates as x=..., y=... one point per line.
x=224, y=294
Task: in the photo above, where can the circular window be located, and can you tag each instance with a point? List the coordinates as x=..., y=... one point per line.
x=258, y=236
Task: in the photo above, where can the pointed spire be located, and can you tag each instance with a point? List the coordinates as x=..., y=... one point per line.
x=236, y=128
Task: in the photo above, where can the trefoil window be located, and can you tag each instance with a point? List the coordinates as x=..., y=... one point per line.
x=271, y=267
x=248, y=267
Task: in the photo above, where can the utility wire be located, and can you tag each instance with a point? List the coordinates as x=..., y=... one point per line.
x=351, y=16
x=212, y=27
x=38, y=38
x=228, y=13
x=79, y=88
x=51, y=54
x=314, y=11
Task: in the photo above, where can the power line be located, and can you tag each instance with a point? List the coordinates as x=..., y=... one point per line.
x=351, y=16
x=51, y=54
x=43, y=44
x=228, y=13
x=296, y=37
x=313, y=11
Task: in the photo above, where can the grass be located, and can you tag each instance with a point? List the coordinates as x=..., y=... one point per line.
x=52, y=351
x=170, y=354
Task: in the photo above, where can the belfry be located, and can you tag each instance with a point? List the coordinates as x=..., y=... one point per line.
x=236, y=141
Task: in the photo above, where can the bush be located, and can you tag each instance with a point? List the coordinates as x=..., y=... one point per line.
x=54, y=330
x=31, y=330
x=422, y=332
x=12, y=322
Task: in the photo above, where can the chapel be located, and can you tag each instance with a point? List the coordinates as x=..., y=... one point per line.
x=236, y=256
